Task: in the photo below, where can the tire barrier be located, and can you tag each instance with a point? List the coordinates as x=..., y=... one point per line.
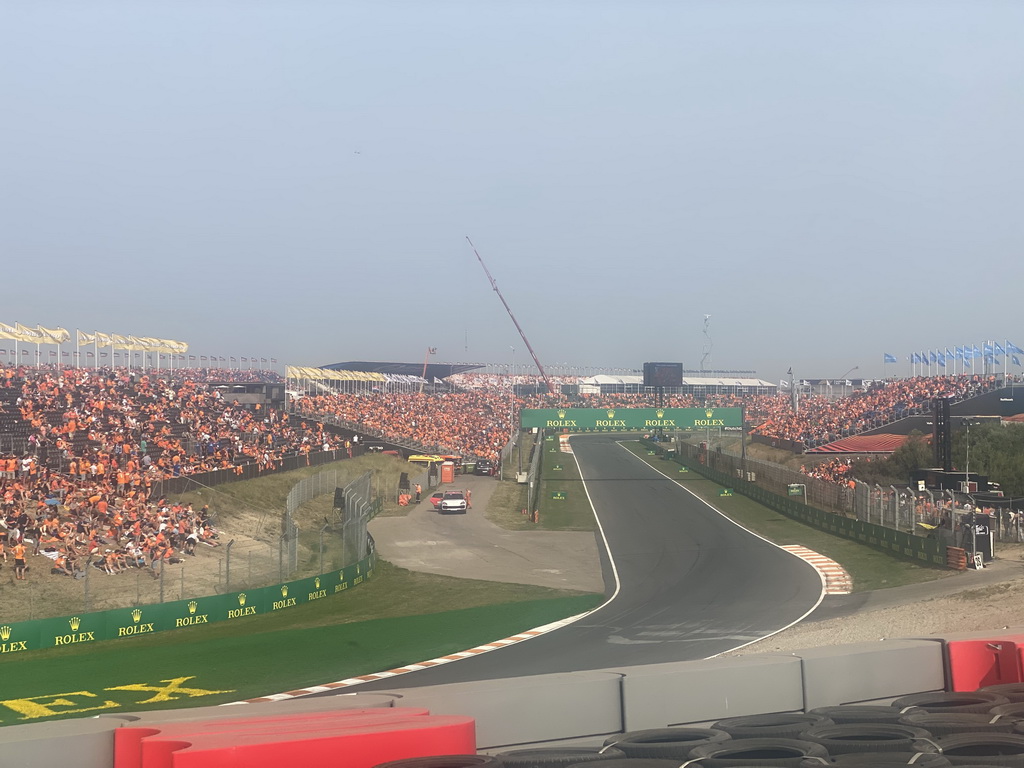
x=554, y=757
x=675, y=743
x=867, y=737
x=777, y=753
x=1005, y=749
x=948, y=723
x=784, y=726
x=978, y=702
x=864, y=713
x=444, y=761
x=930, y=759
x=1013, y=691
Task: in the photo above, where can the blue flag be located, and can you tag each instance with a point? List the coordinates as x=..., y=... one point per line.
x=1013, y=349
x=931, y=357
x=987, y=347
x=1016, y=360
x=887, y=358
x=958, y=353
x=941, y=359
x=999, y=349
x=949, y=354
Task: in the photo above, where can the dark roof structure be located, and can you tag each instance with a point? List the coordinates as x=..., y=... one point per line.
x=434, y=370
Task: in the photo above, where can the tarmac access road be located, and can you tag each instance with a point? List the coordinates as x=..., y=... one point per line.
x=684, y=582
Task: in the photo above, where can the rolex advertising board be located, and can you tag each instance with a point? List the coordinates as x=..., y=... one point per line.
x=631, y=419
x=84, y=627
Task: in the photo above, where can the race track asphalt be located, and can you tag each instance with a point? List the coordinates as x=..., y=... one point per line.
x=690, y=583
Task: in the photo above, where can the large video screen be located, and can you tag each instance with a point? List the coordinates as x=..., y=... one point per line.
x=663, y=374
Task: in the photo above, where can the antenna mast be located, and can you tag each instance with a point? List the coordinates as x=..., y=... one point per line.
x=508, y=309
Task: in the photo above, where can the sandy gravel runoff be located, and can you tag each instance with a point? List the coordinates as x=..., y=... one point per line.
x=470, y=546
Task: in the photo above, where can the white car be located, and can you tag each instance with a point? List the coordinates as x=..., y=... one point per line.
x=453, y=501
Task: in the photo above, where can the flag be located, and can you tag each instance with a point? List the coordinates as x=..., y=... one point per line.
x=976, y=352
x=1013, y=349
x=914, y=358
x=931, y=356
x=90, y=354
x=1016, y=360
x=958, y=353
x=967, y=353
x=233, y=360
x=941, y=359
x=887, y=358
x=432, y=350
x=273, y=359
x=999, y=349
x=987, y=347
x=949, y=355
x=790, y=371
x=783, y=384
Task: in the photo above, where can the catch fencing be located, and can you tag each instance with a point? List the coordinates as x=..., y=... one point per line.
x=919, y=512
x=930, y=550
x=269, y=547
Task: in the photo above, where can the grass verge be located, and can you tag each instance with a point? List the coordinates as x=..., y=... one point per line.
x=870, y=568
x=397, y=618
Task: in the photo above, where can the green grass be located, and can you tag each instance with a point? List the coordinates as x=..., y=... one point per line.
x=270, y=491
x=559, y=474
x=870, y=568
x=397, y=618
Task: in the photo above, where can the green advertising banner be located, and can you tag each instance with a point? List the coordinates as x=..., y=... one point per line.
x=179, y=614
x=630, y=419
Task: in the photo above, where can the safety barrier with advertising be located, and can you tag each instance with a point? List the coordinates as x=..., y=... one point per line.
x=899, y=543
x=181, y=614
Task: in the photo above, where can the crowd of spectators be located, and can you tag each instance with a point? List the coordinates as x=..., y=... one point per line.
x=475, y=423
x=100, y=441
x=821, y=420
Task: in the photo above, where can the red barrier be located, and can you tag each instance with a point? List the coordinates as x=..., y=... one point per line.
x=974, y=664
x=357, y=738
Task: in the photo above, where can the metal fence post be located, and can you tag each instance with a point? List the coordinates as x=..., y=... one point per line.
x=227, y=566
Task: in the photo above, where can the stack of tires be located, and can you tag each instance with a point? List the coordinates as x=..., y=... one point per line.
x=929, y=730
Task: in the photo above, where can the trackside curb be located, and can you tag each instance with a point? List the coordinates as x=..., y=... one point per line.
x=350, y=681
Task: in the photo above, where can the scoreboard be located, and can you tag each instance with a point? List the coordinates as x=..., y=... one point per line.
x=663, y=375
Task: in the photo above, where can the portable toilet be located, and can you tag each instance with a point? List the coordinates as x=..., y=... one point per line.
x=448, y=472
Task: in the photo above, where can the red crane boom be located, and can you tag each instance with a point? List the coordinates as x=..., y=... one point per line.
x=526, y=341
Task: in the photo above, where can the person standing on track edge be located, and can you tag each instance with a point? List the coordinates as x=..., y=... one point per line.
x=419, y=492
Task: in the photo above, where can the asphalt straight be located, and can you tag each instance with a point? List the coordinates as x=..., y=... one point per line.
x=684, y=582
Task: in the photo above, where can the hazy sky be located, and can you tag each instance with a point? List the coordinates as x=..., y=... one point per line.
x=828, y=180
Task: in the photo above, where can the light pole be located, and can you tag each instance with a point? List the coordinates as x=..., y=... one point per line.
x=967, y=489
x=843, y=377
x=967, y=460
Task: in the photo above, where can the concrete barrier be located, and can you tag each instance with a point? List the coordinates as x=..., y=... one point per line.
x=660, y=695
x=849, y=674
x=522, y=710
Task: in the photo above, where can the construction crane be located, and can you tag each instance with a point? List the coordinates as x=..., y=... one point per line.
x=526, y=341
